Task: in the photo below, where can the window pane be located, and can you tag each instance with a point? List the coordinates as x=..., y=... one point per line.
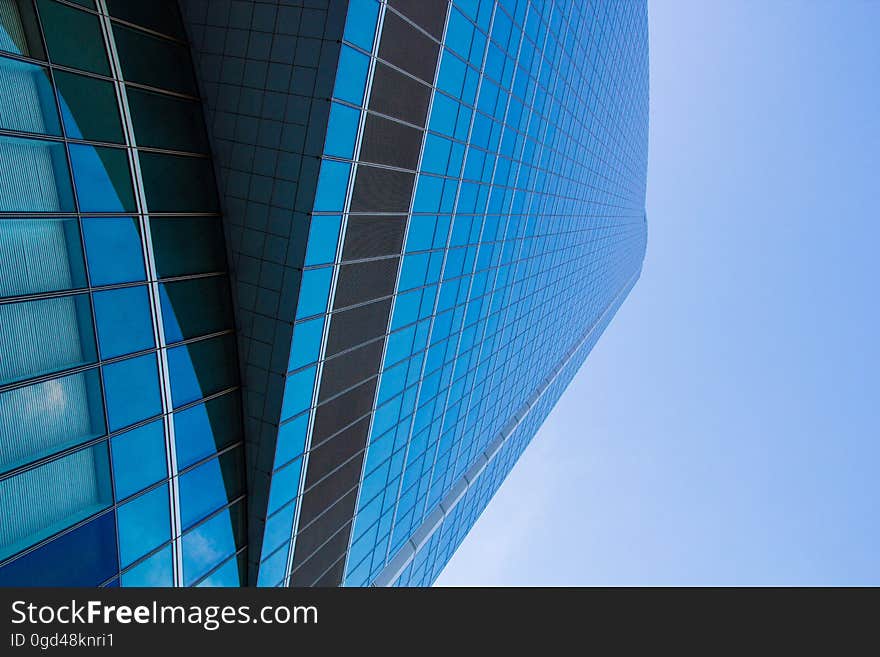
x=210, y=486
x=125, y=324
x=175, y=183
x=26, y=100
x=40, y=502
x=323, y=240
x=89, y=108
x=229, y=574
x=314, y=292
x=195, y=307
x=154, y=61
x=138, y=459
x=155, y=571
x=211, y=542
x=207, y=428
x=132, y=390
x=191, y=245
x=144, y=523
x=35, y=176
x=113, y=250
x=162, y=121
x=73, y=37
x=103, y=179
x=44, y=336
x=18, y=29
x=40, y=255
x=158, y=15
x=306, y=344
x=202, y=368
x=46, y=417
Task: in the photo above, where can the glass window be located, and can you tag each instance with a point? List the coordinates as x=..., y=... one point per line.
x=195, y=307
x=40, y=255
x=27, y=103
x=18, y=29
x=89, y=107
x=187, y=245
x=285, y=485
x=332, y=186
x=154, y=61
x=210, y=486
x=323, y=240
x=360, y=26
x=212, y=542
x=39, y=502
x=44, y=336
x=144, y=524
x=314, y=292
x=229, y=574
x=125, y=324
x=158, y=15
x=306, y=346
x=73, y=37
x=138, y=459
x=176, y=183
x=291, y=439
x=46, y=417
x=342, y=130
x=278, y=528
x=94, y=544
x=207, y=428
x=155, y=571
x=132, y=390
x=298, y=393
x=113, y=250
x=35, y=176
x=351, y=77
x=202, y=368
x=162, y=121
x=103, y=179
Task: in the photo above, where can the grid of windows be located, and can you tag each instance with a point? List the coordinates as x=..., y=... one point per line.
x=120, y=437
x=480, y=206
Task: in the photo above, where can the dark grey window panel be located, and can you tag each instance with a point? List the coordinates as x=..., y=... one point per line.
x=363, y=281
x=407, y=48
x=334, y=575
x=324, y=459
x=352, y=367
x=335, y=415
x=358, y=325
x=399, y=95
x=373, y=236
x=333, y=531
x=381, y=190
x=430, y=15
x=391, y=143
x=321, y=497
x=316, y=567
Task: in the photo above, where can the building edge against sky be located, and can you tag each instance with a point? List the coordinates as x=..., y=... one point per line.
x=430, y=213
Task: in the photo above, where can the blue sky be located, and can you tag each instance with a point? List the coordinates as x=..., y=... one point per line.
x=725, y=429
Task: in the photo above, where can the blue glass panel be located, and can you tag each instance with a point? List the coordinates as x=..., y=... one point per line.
x=291, y=439
x=360, y=26
x=125, y=324
x=273, y=568
x=342, y=130
x=211, y=542
x=351, y=76
x=36, y=178
x=132, y=390
x=199, y=369
x=229, y=574
x=37, y=503
x=332, y=185
x=278, y=528
x=138, y=459
x=102, y=177
x=298, y=392
x=155, y=571
x=113, y=250
x=323, y=240
x=285, y=485
x=94, y=545
x=60, y=267
x=207, y=428
x=314, y=292
x=144, y=524
x=27, y=103
x=306, y=345
x=209, y=486
x=47, y=417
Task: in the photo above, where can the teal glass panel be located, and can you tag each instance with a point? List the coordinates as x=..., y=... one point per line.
x=187, y=245
x=27, y=103
x=36, y=178
x=89, y=108
x=59, y=265
x=73, y=37
x=113, y=250
x=195, y=307
x=125, y=323
x=103, y=179
x=19, y=33
x=202, y=368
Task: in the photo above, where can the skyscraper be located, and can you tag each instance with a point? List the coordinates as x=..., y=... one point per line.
x=287, y=287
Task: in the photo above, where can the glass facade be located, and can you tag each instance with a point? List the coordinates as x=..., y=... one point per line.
x=430, y=212
x=121, y=458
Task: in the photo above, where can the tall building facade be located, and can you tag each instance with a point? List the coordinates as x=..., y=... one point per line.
x=287, y=287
